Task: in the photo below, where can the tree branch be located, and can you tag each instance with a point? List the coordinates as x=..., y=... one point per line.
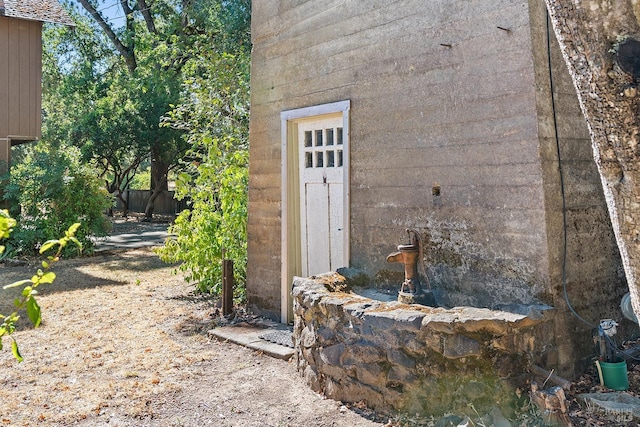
x=124, y=51
x=186, y=5
x=146, y=13
x=130, y=33
x=125, y=7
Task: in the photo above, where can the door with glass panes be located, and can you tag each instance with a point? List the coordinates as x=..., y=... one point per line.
x=321, y=194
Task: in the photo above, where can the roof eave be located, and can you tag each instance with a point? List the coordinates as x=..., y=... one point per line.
x=48, y=21
x=54, y=14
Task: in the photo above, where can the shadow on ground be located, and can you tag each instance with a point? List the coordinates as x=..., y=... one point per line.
x=79, y=273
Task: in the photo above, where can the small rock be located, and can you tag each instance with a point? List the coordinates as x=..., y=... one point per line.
x=613, y=403
x=552, y=400
x=498, y=420
x=459, y=346
x=332, y=355
x=630, y=92
x=450, y=421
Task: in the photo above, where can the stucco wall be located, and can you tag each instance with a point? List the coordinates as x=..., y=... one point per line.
x=448, y=94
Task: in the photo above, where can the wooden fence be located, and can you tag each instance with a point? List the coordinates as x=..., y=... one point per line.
x=165, y=204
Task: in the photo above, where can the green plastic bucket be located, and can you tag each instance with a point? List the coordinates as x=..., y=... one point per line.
x=613, y=375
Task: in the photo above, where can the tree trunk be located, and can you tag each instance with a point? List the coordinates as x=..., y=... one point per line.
x=114, y=189
x=159, y=175
x=591, y=35
x=125, y=204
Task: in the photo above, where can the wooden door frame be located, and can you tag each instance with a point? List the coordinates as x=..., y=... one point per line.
x=291, y=264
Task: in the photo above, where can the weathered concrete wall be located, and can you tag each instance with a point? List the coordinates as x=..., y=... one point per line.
x=411, y=359
x=461, y=118
x=454, y=95
x=594, y=276
x=423, y=113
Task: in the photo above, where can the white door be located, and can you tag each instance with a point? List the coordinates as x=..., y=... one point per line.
x=321, y=194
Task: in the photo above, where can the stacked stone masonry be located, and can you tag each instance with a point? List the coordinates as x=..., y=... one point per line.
x=414, y=359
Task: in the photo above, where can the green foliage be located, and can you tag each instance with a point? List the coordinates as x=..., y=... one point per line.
x=117, y=107
x=27, y=300
x=107, y=120
x=50, y=190
x=180, y=63
x=216, y=116
x=142, y=180
x=6, y=226
x=215, y=226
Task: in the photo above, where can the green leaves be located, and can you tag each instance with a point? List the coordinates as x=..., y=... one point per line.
x=33, y=311
x=44, y=190
x=15, y=351
x=18, y=283
x=69, y=236
x=48, y=245
x=6, y=225
x=38, y=279
x=41, y=277
x=216, y=178
x=121, y=84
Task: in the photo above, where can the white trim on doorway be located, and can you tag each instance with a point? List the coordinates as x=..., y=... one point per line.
x=290, y=238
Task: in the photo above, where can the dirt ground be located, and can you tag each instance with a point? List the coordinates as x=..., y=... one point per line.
x=123, y=343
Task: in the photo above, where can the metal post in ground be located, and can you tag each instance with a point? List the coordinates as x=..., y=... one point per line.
x=227, y=286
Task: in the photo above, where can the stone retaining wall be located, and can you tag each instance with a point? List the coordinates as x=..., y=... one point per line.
x=415, y=359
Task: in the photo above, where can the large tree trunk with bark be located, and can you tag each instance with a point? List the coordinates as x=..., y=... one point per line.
x=594, y=37
x=159, y=181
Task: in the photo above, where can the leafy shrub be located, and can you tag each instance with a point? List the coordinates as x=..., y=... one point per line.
x=215, y=226
x=48, y=192
x=141, y=180
x=215, y=180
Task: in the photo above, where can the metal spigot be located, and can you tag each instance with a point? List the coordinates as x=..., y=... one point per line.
x=408, y=255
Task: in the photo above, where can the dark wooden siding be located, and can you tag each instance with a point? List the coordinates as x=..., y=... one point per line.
x=20, y=78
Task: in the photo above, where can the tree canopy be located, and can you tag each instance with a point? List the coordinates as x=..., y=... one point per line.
x=215, y=117
x=122, y=81
x=169, y=87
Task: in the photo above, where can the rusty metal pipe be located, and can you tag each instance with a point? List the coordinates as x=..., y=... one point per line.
x=408, y=256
